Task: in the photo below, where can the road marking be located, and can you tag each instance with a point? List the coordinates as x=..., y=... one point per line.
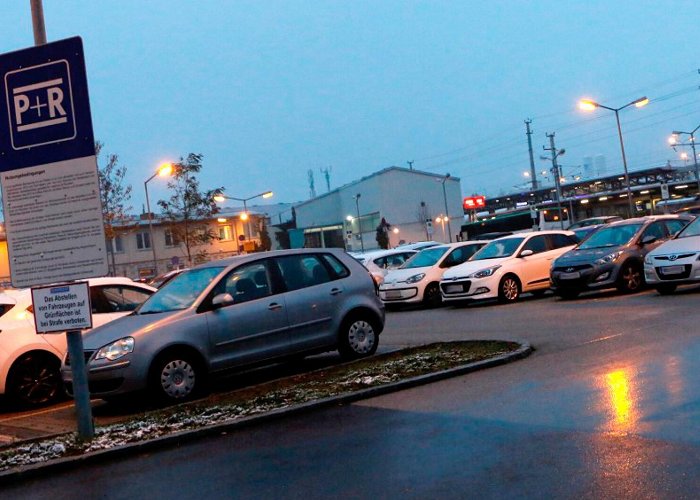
x=602, y=338
x=40, y=412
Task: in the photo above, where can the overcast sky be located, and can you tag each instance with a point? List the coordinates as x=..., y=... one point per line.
x=268, y=90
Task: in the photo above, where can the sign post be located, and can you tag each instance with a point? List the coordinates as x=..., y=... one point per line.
x=50, y=188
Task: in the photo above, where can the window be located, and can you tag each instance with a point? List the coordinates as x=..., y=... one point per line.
x=459, y=255
x=655, y=229
x=108, y=299
x=225, y=233
x=171, y=238
x=143, y=241
x=537, y=244
x=674, y=226
x=338, y=268
x=560, y=240
x=301, y=271
x=117, y=244
x=245, y=283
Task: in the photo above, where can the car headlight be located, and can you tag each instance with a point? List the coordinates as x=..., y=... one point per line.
x=484, y=273
x=116, y=350
x=612, y=257
x=415, y=278
x=647, y=260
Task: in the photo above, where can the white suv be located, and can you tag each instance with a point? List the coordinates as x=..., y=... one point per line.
x=507, y=267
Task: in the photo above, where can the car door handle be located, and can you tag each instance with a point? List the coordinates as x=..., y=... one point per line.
x=336, y=291
x=274, y=306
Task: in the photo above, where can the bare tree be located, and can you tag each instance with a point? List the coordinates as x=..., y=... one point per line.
x=189, y=210
x=114, y=194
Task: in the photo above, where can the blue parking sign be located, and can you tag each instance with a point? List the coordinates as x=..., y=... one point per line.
x=44, y=110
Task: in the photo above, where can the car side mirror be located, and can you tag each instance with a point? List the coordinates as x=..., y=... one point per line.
x=222, y=300
x=526, y=253
x=648, y=239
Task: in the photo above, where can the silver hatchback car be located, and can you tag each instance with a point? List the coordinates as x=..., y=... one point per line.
x=231, y=313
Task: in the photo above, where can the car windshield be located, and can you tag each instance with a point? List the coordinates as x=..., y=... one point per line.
x=692, y=229
x=180, y=292
x=612, y=236
x=504, y=247
x=425, y=258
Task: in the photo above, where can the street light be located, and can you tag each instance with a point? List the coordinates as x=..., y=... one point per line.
x=589, y=105
x=359, y=221
x=447, y=213
x=244, y=216
x=441, y=220
x=164, y=170
x=691, y=137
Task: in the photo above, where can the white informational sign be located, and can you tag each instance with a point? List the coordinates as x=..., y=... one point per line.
x=53, y=218
x=664, y=191
x=58, y=308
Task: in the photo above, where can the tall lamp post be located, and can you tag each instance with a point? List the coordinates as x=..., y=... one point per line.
x=447, y=213
x=673, y=140
x=220, y=198
x=359, y=222
x=589, y=105
x=163, y=171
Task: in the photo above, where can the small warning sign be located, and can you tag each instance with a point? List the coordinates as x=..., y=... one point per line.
x=58, y=308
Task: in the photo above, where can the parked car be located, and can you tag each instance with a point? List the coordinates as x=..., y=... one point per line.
x=507, y=267
x=584, y=228
x=675, y=262
x=30, y=363
x=162, y=279
x=613, y=256
x=378, y=262
x=418, y=246
x=230, y=313
x=418, y=280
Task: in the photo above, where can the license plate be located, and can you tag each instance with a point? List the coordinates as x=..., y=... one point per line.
x=393, y=294
x=570, y=276
x=453, y=288
x=672, y=270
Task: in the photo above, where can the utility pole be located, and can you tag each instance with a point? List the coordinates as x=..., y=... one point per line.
x=533, y=174
x=38, y=22
x=556, y=172
x=410, y=164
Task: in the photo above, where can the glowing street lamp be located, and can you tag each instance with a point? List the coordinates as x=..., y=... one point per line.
x=164, y=170
x=590, y=105
x=244, y=216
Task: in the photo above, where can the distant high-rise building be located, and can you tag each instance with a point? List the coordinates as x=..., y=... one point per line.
x=601, y=170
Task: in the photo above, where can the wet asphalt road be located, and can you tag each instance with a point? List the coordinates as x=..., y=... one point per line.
x=608, y=406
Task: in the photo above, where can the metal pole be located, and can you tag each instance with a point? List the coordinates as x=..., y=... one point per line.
x=81, y=391
x=695, y=159
x=447, y=213
x=624, y=164
x=557, y=175
x=38, y=22
x=150, y=228
x=533, y=174
x=245, y=209
x=359, y=222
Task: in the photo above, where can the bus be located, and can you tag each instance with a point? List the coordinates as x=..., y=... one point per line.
x=516, y=221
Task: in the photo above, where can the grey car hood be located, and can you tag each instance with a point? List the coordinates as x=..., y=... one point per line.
x=585, y=256
x=128, y=326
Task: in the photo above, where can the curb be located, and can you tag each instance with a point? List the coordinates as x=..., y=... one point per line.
x=60, y=464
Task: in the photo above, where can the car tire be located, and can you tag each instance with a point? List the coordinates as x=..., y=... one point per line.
x=631, y=278
x=509, y=289
x=35, y=380
x=666, y=289
x=568, y=294
x=432, y=296
x=176, y=376
x=358, y=337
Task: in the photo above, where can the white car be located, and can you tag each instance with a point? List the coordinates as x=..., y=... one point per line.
x=507, y=267
x=419, y=278
x=675, y=262
x=30, y=363
x=378, y=262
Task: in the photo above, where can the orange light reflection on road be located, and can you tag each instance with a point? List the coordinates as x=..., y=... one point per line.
x=621, y=401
